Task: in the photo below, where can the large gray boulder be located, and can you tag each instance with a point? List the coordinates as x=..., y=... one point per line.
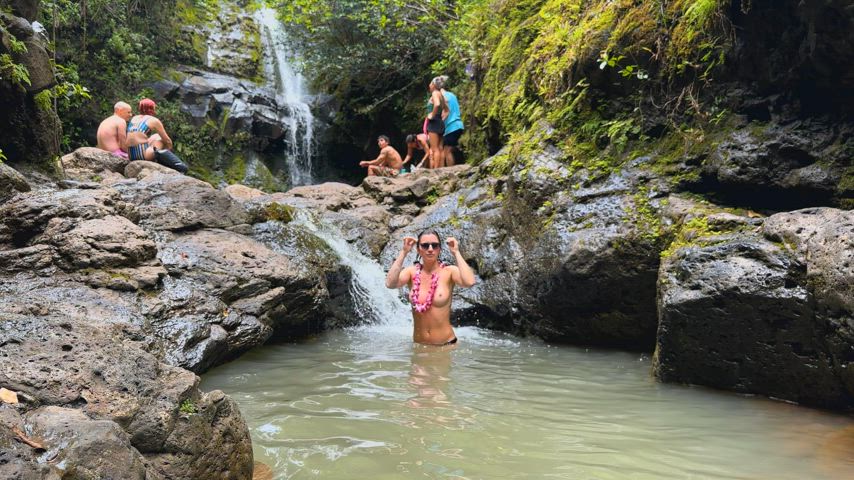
x=236, y=105
x=151, y=416
x=89, y=164
x=762, y=311
x=11, y=182
x=824, y=241
x=169, y=202
x=228, y=293
x=795, y=164
x=89, y=233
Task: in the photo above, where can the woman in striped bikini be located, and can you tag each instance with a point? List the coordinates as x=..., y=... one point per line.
x=147, y=138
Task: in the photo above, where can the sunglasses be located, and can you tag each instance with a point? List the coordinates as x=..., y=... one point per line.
x=428, y=245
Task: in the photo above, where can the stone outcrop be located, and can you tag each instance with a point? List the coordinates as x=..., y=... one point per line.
x=794, y=164
x=140, y=169
x=167, y=201
x=31, y=130
x=114, y=290
x=236, y=104
x=762, y=310
x=88, y=164
x=92, y=389
x=11, y=182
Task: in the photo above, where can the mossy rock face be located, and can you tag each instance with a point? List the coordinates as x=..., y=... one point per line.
x=569, y=265
x=234, y=43
x=279, y=212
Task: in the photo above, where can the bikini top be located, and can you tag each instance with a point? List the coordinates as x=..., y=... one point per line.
x=142, y=126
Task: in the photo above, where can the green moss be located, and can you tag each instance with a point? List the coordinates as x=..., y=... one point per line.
x=187, y=407
x=533, y=55
x=236, y=170
x=44, y=100
x=279, y=212
x=695, y=231
x=644, y=216
x=432, y=196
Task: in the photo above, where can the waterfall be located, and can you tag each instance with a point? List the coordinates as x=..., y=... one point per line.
x=375, y=303
x=291, y=94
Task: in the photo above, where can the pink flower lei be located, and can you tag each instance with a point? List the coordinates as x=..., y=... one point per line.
x=416, y=288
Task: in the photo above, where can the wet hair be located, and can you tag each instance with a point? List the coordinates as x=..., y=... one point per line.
x=411, y=138
x=147, y=106
x=418, y=243
x=383, y=137
x=440, y=81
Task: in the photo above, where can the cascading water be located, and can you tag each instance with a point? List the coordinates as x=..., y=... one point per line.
x=376, y=305
x=294, y=111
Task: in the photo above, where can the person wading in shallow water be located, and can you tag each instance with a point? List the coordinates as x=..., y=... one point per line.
x=431, y=285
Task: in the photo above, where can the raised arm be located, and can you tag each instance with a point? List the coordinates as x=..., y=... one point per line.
x=463, y=275
x=397, y=275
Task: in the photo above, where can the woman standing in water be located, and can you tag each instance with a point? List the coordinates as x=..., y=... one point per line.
x=431, y=285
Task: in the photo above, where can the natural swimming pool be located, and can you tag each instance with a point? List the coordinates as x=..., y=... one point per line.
x=367, y=403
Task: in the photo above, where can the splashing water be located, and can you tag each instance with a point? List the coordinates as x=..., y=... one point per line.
x=294, y=111
x=375, y=304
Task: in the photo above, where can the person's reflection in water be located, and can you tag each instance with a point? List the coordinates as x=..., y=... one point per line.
x=429, y=376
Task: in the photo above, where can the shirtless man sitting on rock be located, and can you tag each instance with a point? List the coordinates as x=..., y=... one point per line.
x=112, y=132
x=387, y=164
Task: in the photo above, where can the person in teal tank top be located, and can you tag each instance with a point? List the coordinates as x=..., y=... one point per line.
x=453, y=124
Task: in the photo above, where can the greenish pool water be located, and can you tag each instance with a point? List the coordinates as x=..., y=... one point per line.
x=367, y=404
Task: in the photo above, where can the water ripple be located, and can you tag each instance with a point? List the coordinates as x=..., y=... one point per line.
x=501, y=407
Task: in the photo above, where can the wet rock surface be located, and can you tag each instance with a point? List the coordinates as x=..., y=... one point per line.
x=578, y=269
x=765, y=310
x=93, y=388
x=91, y=164
x=796, y=163
x=11, y=182
x=166, y=201
x=110, y=294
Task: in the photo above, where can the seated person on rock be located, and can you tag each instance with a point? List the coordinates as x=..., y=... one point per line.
x=112, y=132
x=388, y=164
x=147, y=138
x=417, y=142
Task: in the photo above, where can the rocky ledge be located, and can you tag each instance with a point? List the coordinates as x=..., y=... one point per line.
x=118, y=285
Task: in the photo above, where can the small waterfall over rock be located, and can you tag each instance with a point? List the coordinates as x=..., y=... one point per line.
x=294, y=111
x=374, y=303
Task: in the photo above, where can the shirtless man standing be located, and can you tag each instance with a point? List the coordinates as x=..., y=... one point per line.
x=387, y=164
x=112, y=132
